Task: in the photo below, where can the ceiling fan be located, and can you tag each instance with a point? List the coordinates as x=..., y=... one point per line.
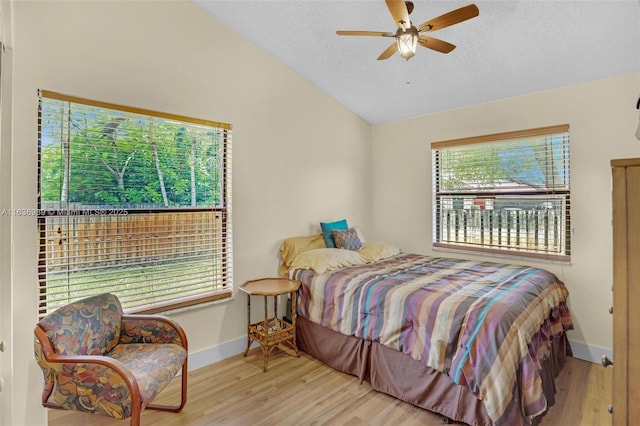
x=408, y=36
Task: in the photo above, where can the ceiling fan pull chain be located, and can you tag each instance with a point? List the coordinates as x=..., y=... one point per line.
x=406, y=71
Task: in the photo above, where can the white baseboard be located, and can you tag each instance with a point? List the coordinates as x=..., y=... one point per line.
x=588, y=352
x=216, y=353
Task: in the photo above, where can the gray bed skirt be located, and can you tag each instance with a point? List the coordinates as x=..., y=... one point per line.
x=402, y=377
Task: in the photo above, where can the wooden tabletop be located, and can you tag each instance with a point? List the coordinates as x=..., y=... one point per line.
x=270, y=286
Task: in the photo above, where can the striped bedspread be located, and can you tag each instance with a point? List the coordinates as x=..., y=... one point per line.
x=486, y=325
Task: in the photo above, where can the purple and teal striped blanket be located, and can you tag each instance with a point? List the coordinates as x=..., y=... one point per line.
x=487, y=325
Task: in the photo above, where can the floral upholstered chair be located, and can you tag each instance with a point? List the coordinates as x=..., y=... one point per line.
x=96, y=359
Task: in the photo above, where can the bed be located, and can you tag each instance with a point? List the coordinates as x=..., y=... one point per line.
x=477, y=342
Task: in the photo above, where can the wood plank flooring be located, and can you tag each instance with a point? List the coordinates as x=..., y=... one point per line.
x=303, y=391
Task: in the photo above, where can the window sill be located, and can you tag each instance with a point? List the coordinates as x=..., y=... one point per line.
x=539, y=257
x=199, y=306
x=185, y=305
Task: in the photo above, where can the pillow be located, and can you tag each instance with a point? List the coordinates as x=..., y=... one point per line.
x=327, y=227
x=377, y=251
x=327, y=259
x=292, y=246
x=347, y=239
x=360, y=234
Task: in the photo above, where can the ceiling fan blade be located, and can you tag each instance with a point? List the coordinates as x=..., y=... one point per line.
x=400, y=13
x=366, y=33
x=436, y=44
x=453, y=17
x=388, y=52
x=409, y=6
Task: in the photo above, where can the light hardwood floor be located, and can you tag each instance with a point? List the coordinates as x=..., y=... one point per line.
x=303, y=391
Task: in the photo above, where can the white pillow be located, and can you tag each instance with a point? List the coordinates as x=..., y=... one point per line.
x=360, y=234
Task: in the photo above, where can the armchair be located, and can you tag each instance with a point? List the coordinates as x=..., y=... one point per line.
x=99, y=360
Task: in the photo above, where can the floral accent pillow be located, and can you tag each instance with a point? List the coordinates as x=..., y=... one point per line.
x=347, y=239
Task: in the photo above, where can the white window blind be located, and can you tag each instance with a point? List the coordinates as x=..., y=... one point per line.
x=505, y=193
x=133, y=202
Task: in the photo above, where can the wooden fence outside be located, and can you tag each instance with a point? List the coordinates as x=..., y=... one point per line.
x=526, y=229
x=89, y=241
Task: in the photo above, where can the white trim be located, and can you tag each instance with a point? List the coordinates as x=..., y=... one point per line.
x=216, y=353
x=589, y=352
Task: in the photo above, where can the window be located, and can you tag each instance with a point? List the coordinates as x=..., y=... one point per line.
x=133, y=202
x=505, y=193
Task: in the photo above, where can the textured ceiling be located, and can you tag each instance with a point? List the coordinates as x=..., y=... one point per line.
x=512, y=48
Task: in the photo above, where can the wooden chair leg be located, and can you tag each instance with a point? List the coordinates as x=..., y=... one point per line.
x=46, y=392
x=183, y=395
x=135, y=416
x=183, y=392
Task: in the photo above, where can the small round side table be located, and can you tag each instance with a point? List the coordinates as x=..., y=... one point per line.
x=270, y=332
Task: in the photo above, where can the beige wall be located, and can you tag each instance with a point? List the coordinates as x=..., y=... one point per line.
x=602, y=118
x=298, y=156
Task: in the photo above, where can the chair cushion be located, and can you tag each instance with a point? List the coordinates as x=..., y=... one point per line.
x=89, y=326
x=153, y=365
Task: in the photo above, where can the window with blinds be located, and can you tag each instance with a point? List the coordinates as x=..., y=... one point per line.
x=505, y=193
x=133, y=202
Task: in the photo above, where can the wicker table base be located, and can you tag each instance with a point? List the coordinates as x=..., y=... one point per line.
x=271, y=332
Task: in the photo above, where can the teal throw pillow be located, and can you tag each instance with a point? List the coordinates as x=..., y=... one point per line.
x=327, y=227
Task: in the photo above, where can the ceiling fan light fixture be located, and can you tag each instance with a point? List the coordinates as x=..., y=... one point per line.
x=407, y=42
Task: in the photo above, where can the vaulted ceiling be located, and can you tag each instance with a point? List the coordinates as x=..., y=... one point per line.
x=512, y=48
